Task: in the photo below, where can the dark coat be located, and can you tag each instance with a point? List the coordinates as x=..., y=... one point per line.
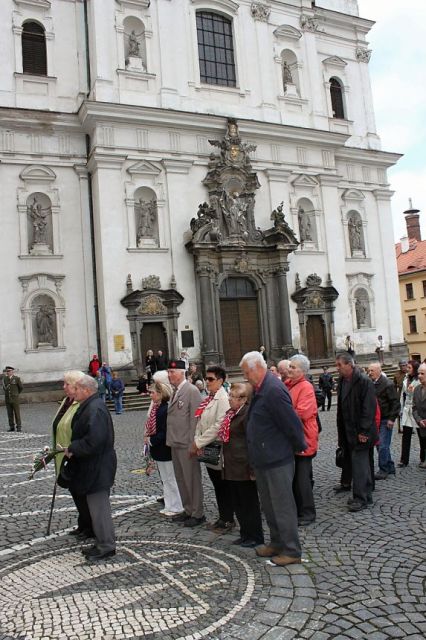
x=356, y=411
x=151, y=363
x=94, y=461
x=325, y=381
x=235, y=452
x=274, y=432
x=161, y=362
x=387, y=398
x=159, y=450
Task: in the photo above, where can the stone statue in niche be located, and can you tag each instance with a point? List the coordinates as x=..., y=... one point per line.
x=287, y=77
x=39, y=218
x=45, y=325
x=147, y=212
x=234, y=210
x=355, y=235
x=361, y=313
x=134, y=47
x=305, y=227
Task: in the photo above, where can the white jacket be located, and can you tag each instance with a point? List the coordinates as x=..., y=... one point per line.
x=208, y=424
x=407, y=418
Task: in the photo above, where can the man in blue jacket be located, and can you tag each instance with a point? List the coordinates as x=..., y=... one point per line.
x=274, y=434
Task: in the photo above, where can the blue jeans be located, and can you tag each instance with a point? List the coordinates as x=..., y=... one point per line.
x=118, y=403
x=386, y=463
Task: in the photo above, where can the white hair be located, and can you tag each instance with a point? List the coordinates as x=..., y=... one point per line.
x=71, y=377
x=163, y=378
x=87, y=382
x=284, y=363
x=253, y=359
x=304, y=362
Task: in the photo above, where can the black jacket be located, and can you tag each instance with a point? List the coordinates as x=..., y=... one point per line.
x=387, y=398
x=94, y=461
x=161, y=362
x=159, y=450
x=274, y=431
x=325, y=382
x=356, y=411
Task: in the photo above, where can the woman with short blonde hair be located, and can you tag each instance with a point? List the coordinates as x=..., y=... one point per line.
x=155, y=436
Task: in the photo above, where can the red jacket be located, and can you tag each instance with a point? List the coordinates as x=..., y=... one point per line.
x=302, y=395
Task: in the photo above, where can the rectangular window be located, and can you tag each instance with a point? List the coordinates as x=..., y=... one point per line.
x=412, y=324
x=424, y=288
x=215, y=49
x=409, y=290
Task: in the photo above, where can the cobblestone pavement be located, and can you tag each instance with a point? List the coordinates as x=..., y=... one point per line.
x=363, y=575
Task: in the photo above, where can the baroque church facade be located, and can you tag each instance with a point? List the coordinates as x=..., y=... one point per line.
x=190, y=174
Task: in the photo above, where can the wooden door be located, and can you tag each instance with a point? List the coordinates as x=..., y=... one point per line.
x=240, y=328
x=153, y=336
x=315, y=338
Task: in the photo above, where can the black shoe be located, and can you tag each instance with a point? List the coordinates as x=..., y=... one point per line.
x=88, y=550
x=76, y=532
x=160, y=500
x=352, y=500
x=182, y=517
x=194, y=522
x=302, y=522
x=357, y=505
x=97, y=555
x=237, y=541
x=381, y=475
x=11, y=429
x=401, y=464
x=19, y=429
x=339, y=488
x=222, y=526
x=249, y=544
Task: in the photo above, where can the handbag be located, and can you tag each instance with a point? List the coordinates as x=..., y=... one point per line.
x=340, y=454
x=66, y=473
x=211, y=454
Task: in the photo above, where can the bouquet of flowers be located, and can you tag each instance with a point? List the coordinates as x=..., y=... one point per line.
x=42, y=459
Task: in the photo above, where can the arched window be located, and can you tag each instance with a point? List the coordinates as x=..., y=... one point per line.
x=215, y=49
x=34, y=58
x=336, y=95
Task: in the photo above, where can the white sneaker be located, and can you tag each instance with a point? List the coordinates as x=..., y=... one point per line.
x=169, y=514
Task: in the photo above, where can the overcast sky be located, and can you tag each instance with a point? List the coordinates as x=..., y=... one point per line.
x=398, y=77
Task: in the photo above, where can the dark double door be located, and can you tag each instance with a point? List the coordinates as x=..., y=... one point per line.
x=316, y=338
x=153, y=336
x=240, y=329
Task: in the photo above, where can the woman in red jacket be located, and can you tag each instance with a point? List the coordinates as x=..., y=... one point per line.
x=304, y=402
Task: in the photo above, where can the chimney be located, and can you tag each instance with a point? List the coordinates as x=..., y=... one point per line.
x=405, y=244
x=412, y=220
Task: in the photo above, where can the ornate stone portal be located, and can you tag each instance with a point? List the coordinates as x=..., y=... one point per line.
x=240, y=270
x=316, y=317
x=148, y=309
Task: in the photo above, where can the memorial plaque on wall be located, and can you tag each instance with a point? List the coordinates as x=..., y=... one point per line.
x=118, y=343
x=187, y=339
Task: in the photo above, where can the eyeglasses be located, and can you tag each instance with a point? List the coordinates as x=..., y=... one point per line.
x=210, y=379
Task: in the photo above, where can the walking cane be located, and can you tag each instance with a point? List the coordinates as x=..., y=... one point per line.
x=51, y=508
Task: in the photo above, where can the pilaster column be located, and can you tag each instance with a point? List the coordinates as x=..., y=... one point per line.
x=209, y=338
x=284, y=307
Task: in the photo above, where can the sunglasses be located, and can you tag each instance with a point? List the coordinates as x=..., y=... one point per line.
x=210, y=379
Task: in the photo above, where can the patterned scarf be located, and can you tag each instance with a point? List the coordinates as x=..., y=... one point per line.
x=224, y=429
x=199, y=412
x=151, y=423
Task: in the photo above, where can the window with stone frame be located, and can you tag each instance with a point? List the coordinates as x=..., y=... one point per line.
x=409, y=291
x=336, y=96
x=215, y=49
x=424, y=288
x=34, y=56
x=412, y=323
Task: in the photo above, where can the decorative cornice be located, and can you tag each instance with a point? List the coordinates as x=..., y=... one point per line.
x=177, y=166
x=38, y=4
x=287, y=31
x=334, y=61
x=37, y=173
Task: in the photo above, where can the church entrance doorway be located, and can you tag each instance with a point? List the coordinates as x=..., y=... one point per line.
x=240, y=319
x=316, y=338
x=153, y=336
